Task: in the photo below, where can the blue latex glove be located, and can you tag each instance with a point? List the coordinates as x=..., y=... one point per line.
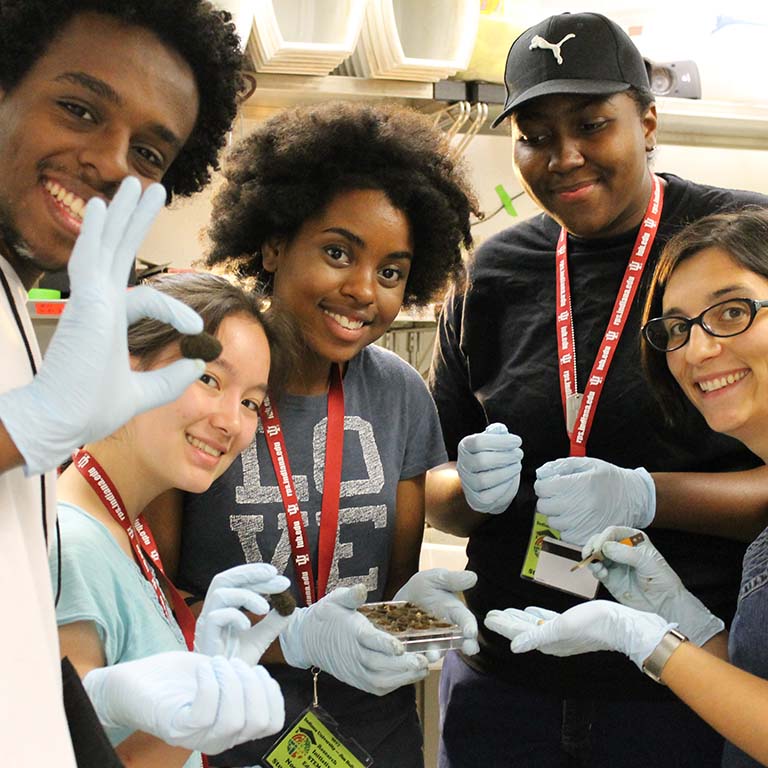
x=641, y=578
x=188, y=699
x=581, y=496
x=85, y=388
x=433, y=591
x=489, y=467
x=222, y=629
x=334, y=636
x=595, y=626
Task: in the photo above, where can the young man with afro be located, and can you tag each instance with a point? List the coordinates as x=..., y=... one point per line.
x=91, y=92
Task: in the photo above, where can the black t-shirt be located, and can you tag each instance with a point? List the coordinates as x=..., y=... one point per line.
x=496, y=361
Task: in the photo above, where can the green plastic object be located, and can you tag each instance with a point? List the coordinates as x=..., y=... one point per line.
x=506, y=200
x=44, y=294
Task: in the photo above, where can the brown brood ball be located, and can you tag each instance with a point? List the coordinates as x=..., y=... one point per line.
x=283, y=602
x=201, y=346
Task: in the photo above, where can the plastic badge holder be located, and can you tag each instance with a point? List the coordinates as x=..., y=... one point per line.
x=438, y=634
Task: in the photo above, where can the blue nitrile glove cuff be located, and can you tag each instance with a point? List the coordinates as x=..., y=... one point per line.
x=647, y=511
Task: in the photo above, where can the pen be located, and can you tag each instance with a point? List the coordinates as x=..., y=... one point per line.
x=630, y=541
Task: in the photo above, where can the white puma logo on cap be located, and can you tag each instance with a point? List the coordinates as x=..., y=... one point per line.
x=539, y=42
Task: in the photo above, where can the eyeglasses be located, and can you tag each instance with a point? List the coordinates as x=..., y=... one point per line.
x=727, y=318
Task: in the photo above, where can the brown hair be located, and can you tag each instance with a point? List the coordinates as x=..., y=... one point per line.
x=215, y=298
x=743, y=235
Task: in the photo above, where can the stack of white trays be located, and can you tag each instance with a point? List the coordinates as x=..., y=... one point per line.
x=423, y=40
x=304, y=37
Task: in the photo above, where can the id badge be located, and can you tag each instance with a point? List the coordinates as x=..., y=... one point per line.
x=314, y=741
x=541, y=528
x=555, y=569
x=548, y=561
x=572, y=407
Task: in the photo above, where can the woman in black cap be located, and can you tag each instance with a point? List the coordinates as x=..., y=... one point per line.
x=544, y=346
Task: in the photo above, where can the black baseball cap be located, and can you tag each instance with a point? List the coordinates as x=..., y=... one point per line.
x=571, y=53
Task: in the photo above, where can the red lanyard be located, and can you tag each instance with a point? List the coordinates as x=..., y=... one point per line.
x=329, y=511
x=579, y=408
x=142, y=542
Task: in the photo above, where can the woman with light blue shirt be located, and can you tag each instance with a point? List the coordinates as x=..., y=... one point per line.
x=117, y=612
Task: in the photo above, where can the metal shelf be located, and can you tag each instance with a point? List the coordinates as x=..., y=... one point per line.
x=270, y=92
x=688, y=122
x=703, y=123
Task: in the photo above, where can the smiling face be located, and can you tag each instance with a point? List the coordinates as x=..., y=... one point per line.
x=103, y=101
x=583, y=160
x=190, y=442
x=343, y=277
x=725, y=378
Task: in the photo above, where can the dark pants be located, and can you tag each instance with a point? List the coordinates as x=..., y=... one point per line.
x=387, y=727
x=90, y=743
x=488, y=722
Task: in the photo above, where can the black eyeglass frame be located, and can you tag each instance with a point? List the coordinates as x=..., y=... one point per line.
x=754, y=306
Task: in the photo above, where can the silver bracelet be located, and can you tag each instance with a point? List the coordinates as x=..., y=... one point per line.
x=654, y=664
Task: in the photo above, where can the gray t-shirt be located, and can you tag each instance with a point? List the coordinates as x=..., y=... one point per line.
x=391, y=433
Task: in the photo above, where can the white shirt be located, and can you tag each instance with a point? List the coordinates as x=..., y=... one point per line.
x=33, y=727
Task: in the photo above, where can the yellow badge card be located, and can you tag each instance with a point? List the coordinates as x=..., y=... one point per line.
x=550, y=562
x=541, y=529
x=314, y=742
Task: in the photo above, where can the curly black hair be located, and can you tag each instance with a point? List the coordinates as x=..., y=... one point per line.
x=203, y=36
x=293, y=165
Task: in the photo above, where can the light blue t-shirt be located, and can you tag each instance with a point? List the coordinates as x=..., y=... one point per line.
x=100, y=583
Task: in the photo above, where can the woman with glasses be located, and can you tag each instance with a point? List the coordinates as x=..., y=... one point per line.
x=707, y=343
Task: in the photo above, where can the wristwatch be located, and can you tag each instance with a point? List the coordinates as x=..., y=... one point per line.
x=654, y=664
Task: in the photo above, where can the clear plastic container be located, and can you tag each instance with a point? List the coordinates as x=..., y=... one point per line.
x=418, y=630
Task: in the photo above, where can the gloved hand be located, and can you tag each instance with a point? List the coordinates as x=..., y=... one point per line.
x=433, y=591
x=333, y=635
x=85, y=388
x=188, y=699
x=222, y=629
x=581, y=496
x=595, y=626
x=489, y=467
x=641, y=578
